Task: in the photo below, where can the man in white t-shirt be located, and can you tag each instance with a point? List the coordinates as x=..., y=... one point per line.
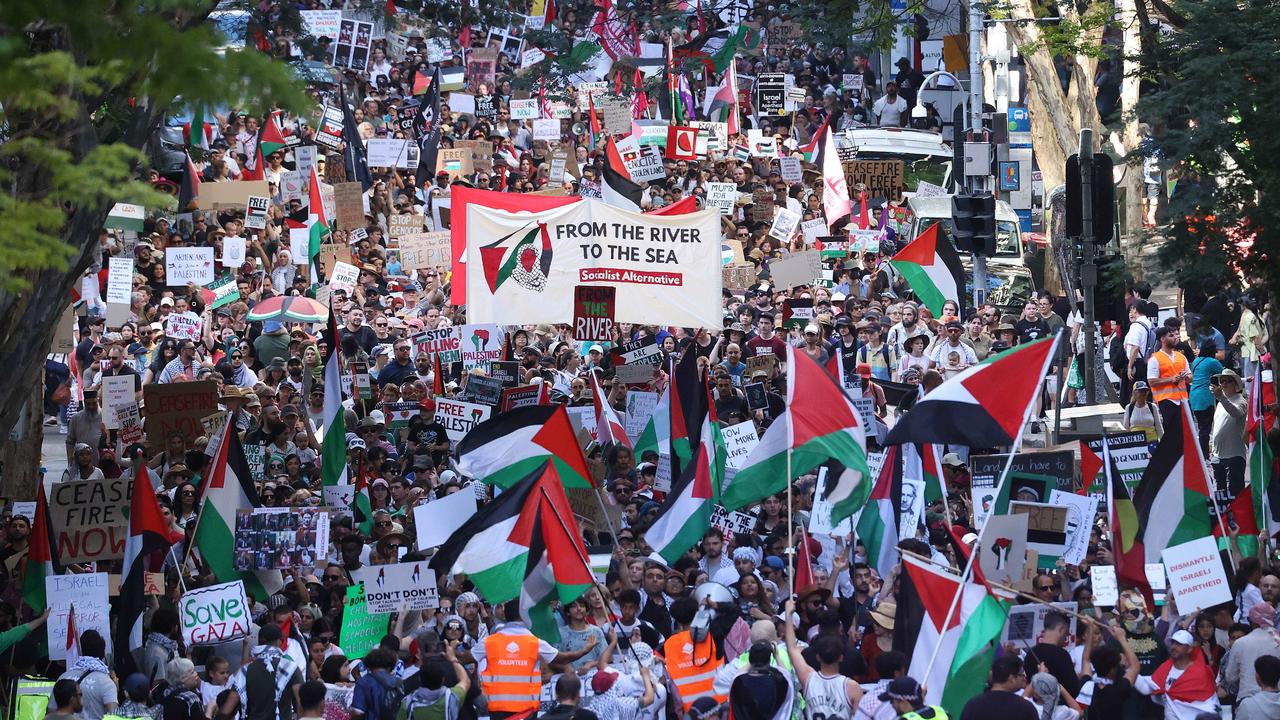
x=1184, y=684
x=891, y=108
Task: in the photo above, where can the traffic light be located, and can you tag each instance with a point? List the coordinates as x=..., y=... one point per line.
x=962, y=216
x=1102, y=190
x=984, y=225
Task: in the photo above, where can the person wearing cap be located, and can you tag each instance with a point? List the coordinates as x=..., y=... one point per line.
x=955, y=472
x=880, y=356
x=1184, y=684
x=1226, y=451
x=827, y=693
x=1142, y=415
x=813, y=344
x=951, y=356
x=906, y=697
x=1003, y=701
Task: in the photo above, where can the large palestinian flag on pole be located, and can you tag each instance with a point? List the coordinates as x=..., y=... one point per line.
x=1261, y=468
x=504, y=449
x=878, y=524
x=985, y=406
x=688, y=408
x=616, y=186
x=524, y=544
x=1126, y=545
x=40, y=556
x=1172, y=501
x=819, y=424
x=686, y=513
x=333, y=443
x=932, y=268
x=148, y=533
x=964, y=647
x=228, y=488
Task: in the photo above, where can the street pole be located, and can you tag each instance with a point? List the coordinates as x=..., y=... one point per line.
x=1088, y=270
x=976, y=183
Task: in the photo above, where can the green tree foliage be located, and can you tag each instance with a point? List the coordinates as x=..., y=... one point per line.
x=83, y=84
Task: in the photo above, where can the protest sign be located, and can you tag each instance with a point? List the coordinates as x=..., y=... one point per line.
x=483, y=390
x=798, y=269
x=1046, y=529
x=184, y=265
x=400, y=414
x=129, y=423
x=589, y=188
x=352, y=47
x=722, y=197
x=90, y=518
x=812, y=230
x=762, y=205
x=739, y=441
x=438, y=519
x=518, y=397
x=481, y=344
x=117, y=392
x=152, y=584
x=732, y=523
x=1106, y=591
x=546, y=129
x=280, y=538
x=1130, y=454
x=881, y=178
x=593, y=310
x=182, y=326
x=120, y=280
x=398, y=587
x=329, y=133
x=635, y=361
x=640, y=407
x=349, y=205
x=1026, y=623
x=647, y=165
x=1197, y=577
x=233, y=252
x=420, y=250
x=321, y=23
x=344, y=277
x=214, y=614
x=389, y=153
x=458, y=417
x=255, y=214
x=789, y=168
x=178, y=407
x=797, y=312
x=231, y=195
x=615, y=113
x=820, y=513
x=506, y=372
x=445, y=342
x=771, y=93
x=362, y=630
x=400, y=225
x=524, y=109
x=766, y=362
x=299, y=246
x=1004, y=552
x=1057, y=466
x=87, y=594
x=26, y=509
x=784, y=225
x=1081, y=510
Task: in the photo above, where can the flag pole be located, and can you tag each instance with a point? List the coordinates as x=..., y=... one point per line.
x=791, y=439
x=1208, y=477
x=942, y=482
x=587, y=564
x=1004, y=477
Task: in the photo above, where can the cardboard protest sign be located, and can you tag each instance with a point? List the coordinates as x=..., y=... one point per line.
x=280, y=538
x=349, y=204
x=445, y=342
x=214, y=614
x=616, y=114
x=455, y=161
x=182, y=327
x=403, y=224
x=1197, y=577
x=1004, y=550
x=178, y=407
x=593, y=311
x=184, y=265
x=438, y=519
x=797, y=269
x=362, y=630
x=231, y=195
x=1046, y=529
x=398, y=587
x=90, y=518
x=425, y=250
x=881, y=178
x=87, y=594
x=458, y=417
x=640, y=407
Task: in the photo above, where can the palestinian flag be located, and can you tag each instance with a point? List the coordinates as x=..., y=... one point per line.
x=319, y=224
x=189, y=189
x=126, y=216
x=985, y=406
x=40, y=560
x=524, y=544
x=1126, y=546
x=333, y=443
x=811, y=151
x=148, y=533
x=527, y=262
x=819, y=424
x=616, y=186
x=609, y=428
x=1172, y=501
x=1240, y=512
x=270, y=140
x=198, y=133
x=723, y=100
x=877, y=526
x=688, y=411
x=932, y=268
x=1266, y=492
x=835, y=189
x=686, y=512
x=507, y=447
x=923, y=461
x=656, y=436
x=361, y=506
x=965, y=646
x=227, y=489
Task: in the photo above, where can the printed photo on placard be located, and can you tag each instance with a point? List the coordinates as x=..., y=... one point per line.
x=278, y=538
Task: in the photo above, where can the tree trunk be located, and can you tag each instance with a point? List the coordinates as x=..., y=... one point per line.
x=20, y=455
x=1131, y=135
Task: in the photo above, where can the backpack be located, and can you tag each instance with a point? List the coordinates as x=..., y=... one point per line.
x=1150, y=345
x=392, y=698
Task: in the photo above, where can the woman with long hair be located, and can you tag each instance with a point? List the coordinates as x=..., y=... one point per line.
x=1142, y=415
x=167, y=351
x=185, y=503
x=753, y=601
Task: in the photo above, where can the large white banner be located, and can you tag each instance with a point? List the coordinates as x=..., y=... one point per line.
x=522, y=267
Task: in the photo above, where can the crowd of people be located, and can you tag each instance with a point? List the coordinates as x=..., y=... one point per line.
x=723, y=631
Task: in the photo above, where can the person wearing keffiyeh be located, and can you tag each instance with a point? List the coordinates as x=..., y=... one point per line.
x=1238, y=675
x=270, y=665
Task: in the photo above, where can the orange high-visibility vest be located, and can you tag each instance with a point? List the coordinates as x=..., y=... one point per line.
x=1169, y=366
x=511, y=678
x=692, y=667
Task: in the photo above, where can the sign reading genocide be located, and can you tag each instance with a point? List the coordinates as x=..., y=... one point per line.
x=882, y=178
x=90, y=518
x=214, y=614
x=593, y=310
x=400, y=587
x=178, y=407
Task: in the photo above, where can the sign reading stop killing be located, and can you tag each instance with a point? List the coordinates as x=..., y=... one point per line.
x=593, y=312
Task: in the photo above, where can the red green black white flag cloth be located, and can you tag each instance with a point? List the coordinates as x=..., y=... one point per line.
x=1172, y=501
x=932, y=269
x=985, y=406
x=148, y=532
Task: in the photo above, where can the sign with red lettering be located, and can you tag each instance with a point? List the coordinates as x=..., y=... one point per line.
x=593, y=311
x=458, y=417
x=1197, y=577
x=90, y=518
x=214, y=614
x=178, y=407
x=445, y=342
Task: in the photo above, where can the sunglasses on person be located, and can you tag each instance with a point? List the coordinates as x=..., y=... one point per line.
x=383, y=523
